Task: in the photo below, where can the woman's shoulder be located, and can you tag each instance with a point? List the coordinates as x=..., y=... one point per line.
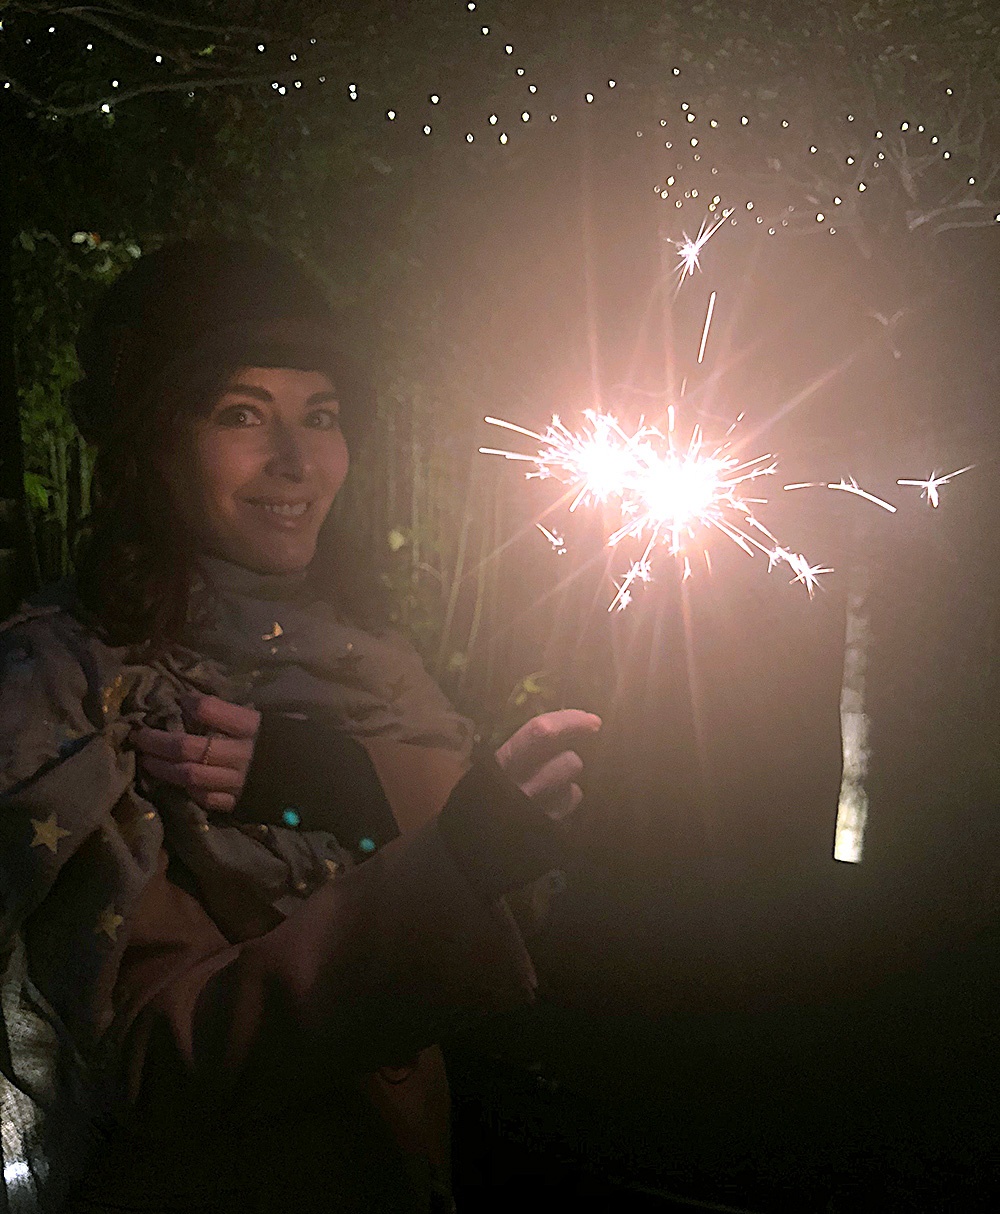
x=52, y=613
x=53, y=668
x=48, y=639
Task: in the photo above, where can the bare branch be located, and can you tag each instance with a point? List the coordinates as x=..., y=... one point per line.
x=985, y=222
x=102, y=23
x=118, y=9
x=914, y=221
x=192, y=85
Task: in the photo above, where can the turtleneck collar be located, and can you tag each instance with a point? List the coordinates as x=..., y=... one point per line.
x=234, y=581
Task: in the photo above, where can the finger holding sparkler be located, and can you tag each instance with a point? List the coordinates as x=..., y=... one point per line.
x=931, y=486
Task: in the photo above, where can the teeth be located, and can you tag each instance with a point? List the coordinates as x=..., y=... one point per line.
x=285, y=511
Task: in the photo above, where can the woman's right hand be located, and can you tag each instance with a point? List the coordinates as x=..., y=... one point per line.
x=540, y=758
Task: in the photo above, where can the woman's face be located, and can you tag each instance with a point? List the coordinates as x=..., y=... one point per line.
x=261, y=468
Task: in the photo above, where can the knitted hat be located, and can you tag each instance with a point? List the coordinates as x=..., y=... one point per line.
x=196, y=304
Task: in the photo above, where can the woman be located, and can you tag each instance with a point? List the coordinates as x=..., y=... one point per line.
x=250, y=871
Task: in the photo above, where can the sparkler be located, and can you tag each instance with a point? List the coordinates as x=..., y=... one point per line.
x=933, y=483
x=667, y=494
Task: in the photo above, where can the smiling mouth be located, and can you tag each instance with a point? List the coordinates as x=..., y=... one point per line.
x=282, y=510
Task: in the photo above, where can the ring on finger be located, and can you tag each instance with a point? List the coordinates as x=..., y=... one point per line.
x=208, y=748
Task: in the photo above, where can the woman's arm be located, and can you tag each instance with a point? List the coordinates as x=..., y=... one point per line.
x=377, y=964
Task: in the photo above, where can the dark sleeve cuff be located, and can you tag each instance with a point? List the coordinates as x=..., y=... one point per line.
x=308, y=774
x=497, y=836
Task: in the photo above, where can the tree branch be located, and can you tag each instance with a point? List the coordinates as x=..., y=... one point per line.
x=92, y=17
x=166, y=86
x=118, y=9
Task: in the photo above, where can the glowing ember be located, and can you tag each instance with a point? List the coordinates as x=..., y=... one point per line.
x=846, y=486
x=689, y=251
x=933, y=483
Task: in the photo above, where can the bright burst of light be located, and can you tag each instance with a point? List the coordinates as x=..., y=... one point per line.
x=933, y=483
x=667, y=494
x=689, y=251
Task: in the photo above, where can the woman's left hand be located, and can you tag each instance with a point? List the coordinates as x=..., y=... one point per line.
x=213, y=768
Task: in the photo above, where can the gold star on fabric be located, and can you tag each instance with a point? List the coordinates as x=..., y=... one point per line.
x=48, y=833
x=113, y=694
x=109, y=922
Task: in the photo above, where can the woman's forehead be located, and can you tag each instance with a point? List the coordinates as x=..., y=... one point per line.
x=280, y=379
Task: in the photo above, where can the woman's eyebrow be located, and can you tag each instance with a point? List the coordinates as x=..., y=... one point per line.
x=260, y=394
x=323, y=398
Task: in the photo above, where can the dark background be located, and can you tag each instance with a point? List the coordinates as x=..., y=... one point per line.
x=725, y=1014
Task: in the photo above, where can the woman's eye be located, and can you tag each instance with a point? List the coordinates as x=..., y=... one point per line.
x=323, y=419
x=237, y=416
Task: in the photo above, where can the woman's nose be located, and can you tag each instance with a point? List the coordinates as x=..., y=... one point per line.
x=289, y=454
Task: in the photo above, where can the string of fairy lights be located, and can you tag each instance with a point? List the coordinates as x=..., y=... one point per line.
x=822, y=187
